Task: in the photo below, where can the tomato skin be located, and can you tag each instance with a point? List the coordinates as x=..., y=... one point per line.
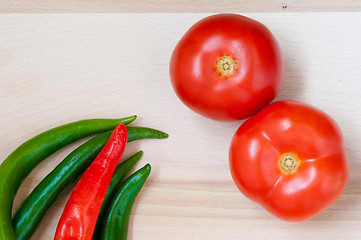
x=290, y=127
x=201, y=87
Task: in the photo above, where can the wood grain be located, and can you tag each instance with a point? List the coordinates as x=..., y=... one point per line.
x=183, y=6
x=57, y=68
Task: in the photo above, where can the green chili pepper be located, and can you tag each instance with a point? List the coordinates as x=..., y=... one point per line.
x=116, y=220
x=143, y=132
x=122, y=170
x=36, y=205
x=17, y=166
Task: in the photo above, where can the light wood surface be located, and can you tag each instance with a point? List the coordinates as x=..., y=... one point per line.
x=58, y=68
x=182, y=6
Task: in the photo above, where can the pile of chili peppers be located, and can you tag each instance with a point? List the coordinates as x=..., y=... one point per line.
x=100, y=204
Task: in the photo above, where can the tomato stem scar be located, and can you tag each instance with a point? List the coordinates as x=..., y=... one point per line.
x=226, y=66
x=289, y=163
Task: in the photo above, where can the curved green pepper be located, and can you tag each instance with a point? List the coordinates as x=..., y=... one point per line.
x=122, y=170
x=17, y=166
x=116, y=221
x=36, y=205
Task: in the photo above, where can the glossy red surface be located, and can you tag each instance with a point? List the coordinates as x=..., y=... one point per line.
x=81, y=211
x=290, y=127
x=259, y=68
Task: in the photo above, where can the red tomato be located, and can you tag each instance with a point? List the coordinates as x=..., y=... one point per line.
x=290, y=158
x=226, y=67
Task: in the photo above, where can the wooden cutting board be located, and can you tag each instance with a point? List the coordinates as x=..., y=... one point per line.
x=58, y=68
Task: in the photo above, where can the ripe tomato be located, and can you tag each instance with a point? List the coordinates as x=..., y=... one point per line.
x=290, y=158
x=226, y=67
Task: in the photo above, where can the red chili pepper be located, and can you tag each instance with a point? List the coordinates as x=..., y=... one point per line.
x=81, y=211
